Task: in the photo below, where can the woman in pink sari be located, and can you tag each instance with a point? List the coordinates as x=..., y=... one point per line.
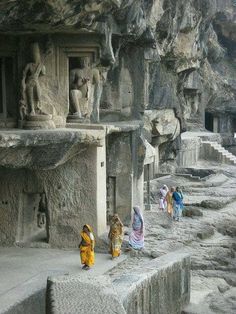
x=136, y=238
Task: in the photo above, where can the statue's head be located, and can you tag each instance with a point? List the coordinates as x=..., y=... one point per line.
x=35, y=52
x=84, y=62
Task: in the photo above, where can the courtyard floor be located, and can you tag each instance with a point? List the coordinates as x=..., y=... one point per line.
x=25, y=270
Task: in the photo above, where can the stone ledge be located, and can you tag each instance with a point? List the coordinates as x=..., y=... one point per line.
x=162, y=286
x=16, y=137
x=73, y=294
x=45, y=149
x=23, y=299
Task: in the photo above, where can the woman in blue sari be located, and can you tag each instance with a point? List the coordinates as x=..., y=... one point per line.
x=136, y=238
x=178, y=204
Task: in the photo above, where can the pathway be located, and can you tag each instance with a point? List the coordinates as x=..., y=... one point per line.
x=25, y=270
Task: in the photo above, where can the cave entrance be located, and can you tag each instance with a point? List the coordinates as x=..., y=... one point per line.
x=209, y=121
x=33, y=224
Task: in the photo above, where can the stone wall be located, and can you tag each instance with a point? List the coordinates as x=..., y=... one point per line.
x=189, y=153
x=10, y=201
x=162, y=286
x=75, y=192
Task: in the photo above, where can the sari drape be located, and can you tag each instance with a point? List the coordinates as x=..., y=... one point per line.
x=87, y=247
x=116, y=235
x=169, y=200
x=136, y=238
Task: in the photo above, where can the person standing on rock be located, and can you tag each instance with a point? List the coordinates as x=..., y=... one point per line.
x=136, y=238
x=86, y=247
x=163, y=192
x=116, y=235
x=178, y=204
x=169, y=200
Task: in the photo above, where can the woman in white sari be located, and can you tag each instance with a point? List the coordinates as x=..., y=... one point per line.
x=163, y=192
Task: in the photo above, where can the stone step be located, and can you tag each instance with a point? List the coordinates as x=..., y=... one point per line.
x=228, y=155
x=221, y=154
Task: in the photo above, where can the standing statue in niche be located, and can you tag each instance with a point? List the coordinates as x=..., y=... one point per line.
x=41, y=216
x=85, y=91
x=32, y=115
x=31, y=92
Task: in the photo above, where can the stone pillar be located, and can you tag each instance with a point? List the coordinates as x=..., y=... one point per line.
x=156, y=162
x=101, y=189
x=215, y=124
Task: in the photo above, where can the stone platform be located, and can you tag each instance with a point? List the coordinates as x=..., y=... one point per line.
x=160, y=286
x=24, y=273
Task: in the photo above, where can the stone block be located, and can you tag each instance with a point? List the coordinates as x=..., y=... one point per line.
x=80, y=294
x=205, y=233
x=190, y=211
x=213, y=204
x=160, y=286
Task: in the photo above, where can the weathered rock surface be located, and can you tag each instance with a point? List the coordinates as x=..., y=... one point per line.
x=82, y=295
x=190, y=211
x=187, y=50
x=45, y=149
x=161, y=286
x=210, y=239
x=213, y=204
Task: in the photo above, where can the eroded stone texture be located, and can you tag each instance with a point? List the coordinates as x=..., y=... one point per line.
x=162, y=286
x=149, y=54
x=82, y=295
x=166, y=63
x=71, y=174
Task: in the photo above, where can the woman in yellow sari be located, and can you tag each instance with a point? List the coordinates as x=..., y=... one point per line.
x=87, y=247
x=115, y=235
x=169, y=200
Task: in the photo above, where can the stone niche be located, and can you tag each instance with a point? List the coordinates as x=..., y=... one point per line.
x=81, y=77
x=35, y=86
x=192, y=89
x=57, y=80
x=123, y=95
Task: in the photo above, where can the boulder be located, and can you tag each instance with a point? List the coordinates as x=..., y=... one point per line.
x=190, y=211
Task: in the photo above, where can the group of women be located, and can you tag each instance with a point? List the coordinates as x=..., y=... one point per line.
x=172, y=201
x=116, y=235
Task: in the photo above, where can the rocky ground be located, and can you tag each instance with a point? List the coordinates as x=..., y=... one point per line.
x=208, y=233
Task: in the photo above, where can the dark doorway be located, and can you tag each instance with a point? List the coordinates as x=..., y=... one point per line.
x=8, y=108
x=209, y=121
x=234, y=125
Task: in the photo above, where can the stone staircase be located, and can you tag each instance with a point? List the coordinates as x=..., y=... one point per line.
x=215, y=151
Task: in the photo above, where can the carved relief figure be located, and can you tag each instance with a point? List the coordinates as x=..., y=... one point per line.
x=83, y=83
x=31, y=92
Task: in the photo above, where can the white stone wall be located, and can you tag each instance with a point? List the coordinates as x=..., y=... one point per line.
x=189, y=153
